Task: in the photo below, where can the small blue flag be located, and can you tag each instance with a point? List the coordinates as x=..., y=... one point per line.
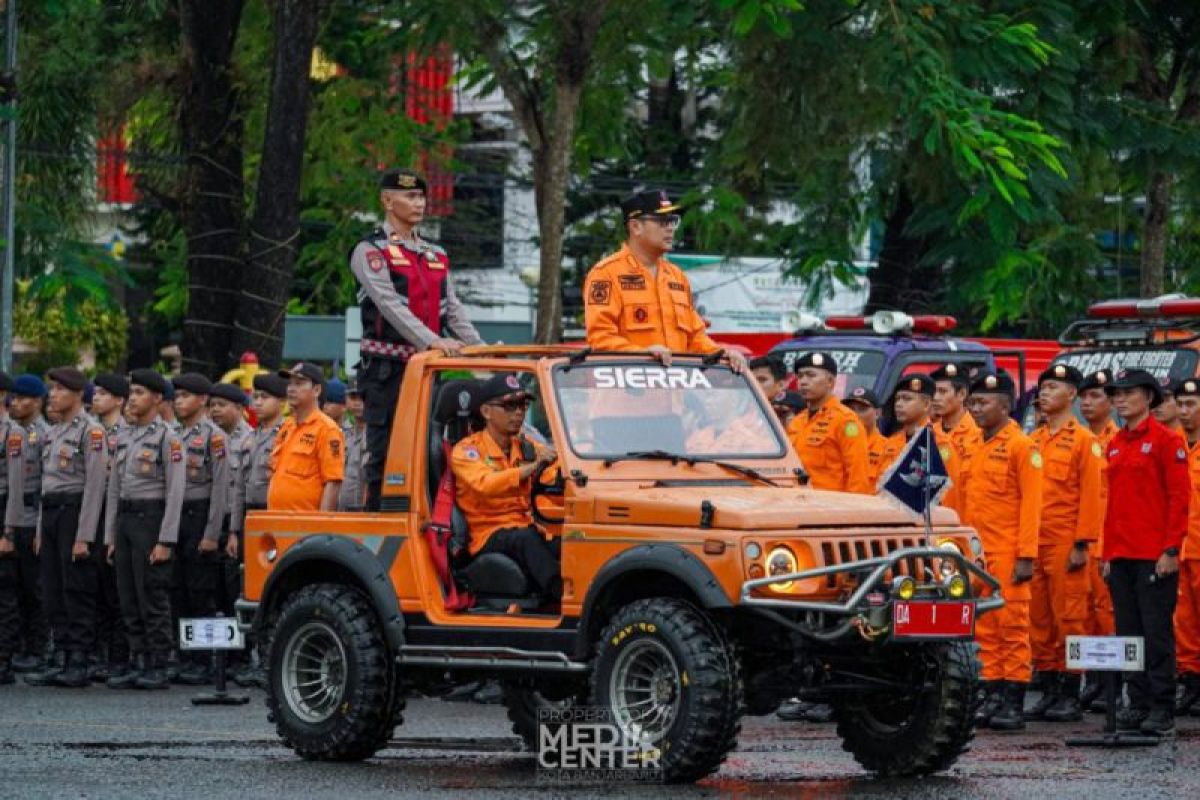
x=918, y=478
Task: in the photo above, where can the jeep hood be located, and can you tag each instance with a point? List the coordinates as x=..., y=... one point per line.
x=752, y=508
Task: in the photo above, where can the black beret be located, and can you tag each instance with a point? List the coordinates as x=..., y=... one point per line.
x=1062, y=372
x=193, y=382
x=112, y=383
x=402, y=180
x=149, y=379
x=992, y=383
x=1100, y=379
x=861, y=394
x=228, y=391
x=274, y=385
x=1133, y=378
x=497, y=386
x=917, y=383
x=819, y=360
x=653, y=203
x=957, y=374
x=6, y=382
x=1190, y=386
x=68, y=378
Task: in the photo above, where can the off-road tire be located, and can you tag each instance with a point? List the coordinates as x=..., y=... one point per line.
x=522, y=701
x=708, y=719
x=925, y=735
x=371, y=704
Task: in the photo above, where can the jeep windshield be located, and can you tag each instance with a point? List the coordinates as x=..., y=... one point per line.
x=614, y=412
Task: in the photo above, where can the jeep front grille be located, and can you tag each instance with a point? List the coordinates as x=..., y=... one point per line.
x=841, y=551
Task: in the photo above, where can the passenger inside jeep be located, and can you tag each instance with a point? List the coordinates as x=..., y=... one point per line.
x=508, y=560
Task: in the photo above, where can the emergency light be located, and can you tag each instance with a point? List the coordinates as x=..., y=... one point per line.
x=1170, y=305
x=891, y=322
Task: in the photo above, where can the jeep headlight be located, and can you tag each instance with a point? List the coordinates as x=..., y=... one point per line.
x=782, y=561
x=948, y=566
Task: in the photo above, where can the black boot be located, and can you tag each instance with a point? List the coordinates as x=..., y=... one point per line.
x=1051, y=683
x=1191, y=693
x=46, y=675
x=1093, y=689
x=28, y=662
x=127, y=677
x=1010, y=717
x=1159, y=722
x=75, y=675
x=195, y=673
x=6, y=672
x=990, y=699
x=155, y=676
x=1066, y=708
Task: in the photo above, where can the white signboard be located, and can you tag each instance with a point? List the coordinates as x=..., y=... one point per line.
x=218, y=633
x=1106, y=653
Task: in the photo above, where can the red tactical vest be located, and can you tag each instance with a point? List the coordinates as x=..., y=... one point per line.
x=419, y=277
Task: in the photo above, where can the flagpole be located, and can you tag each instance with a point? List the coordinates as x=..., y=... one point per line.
x=928, y=513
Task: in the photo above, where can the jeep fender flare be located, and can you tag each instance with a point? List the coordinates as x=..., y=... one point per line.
x=667, y=558
x=369, y=573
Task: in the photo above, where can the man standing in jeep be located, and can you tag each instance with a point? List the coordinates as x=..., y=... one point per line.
x=408, y=305
x=492, y=471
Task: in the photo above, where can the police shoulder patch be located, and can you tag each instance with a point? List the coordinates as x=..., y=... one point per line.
x=97, y=439
x=600, y=292
x=851, y=430
x=1036, y=460
x=176, y=451
x=376, y=261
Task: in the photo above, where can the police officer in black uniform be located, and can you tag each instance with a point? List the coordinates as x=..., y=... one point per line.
x=408, y=305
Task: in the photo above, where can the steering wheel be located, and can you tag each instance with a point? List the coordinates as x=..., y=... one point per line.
x=538, y=489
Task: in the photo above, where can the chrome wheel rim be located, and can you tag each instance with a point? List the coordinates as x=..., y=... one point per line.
x=645, y=689
x=314, y=672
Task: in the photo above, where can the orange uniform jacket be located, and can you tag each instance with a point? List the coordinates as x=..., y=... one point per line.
x=955, y=445
x=1187, y=609
x=304, y=458
x=1191, y=543
x=488, y=488
x=832, y=448
x=627, y=308
x=1072, y=478
x=1002, y=494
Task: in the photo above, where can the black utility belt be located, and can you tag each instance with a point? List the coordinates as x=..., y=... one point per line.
x=141, y=506
x=55, y=500
x=256, y=506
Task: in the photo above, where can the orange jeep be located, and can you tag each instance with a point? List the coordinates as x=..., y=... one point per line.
x=701, y=579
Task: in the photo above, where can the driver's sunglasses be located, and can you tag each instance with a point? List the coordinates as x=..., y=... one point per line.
x=511, y=406
x=664, y=220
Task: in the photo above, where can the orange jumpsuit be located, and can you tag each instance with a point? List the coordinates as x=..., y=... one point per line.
x=960, y=440
x=1072, y=473
x=488, y=487
x=1002, y=496
x=876, y=442
x=1187, y=608
x=628, y=308
x=832, y=448
x=1101, y=621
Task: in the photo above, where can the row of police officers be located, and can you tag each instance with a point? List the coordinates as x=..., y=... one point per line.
x=126, y=511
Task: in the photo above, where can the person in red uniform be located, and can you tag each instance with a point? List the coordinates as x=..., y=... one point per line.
x=1187, y=609
x=1144, y=527
x=1002, y=500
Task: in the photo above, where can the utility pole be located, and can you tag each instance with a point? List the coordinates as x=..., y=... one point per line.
x=10, y=174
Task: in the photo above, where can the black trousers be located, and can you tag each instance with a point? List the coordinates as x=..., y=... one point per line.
x=540, y=559
x=194, y=587
x=111, y=639
x=144, y=588
x=69, y=586
x=1144, y=604
x=10, y=609
x=33, y=631
x=229, y=584
x=379, y=380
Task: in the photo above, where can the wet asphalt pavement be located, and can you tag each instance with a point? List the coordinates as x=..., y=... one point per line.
x=98, y=743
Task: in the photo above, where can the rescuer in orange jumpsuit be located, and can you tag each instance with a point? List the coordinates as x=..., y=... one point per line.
x=865, y=404
x=955, y=430
x=911, y=403
x=1095, y=406
x=828, y=436
x=1072, y=519
x=637, y=300
x=1002, y=497
x=1187, y=609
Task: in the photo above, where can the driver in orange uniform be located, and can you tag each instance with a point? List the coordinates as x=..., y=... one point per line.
x=492, y=473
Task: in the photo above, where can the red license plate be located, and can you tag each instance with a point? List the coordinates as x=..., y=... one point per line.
x=931, y=620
